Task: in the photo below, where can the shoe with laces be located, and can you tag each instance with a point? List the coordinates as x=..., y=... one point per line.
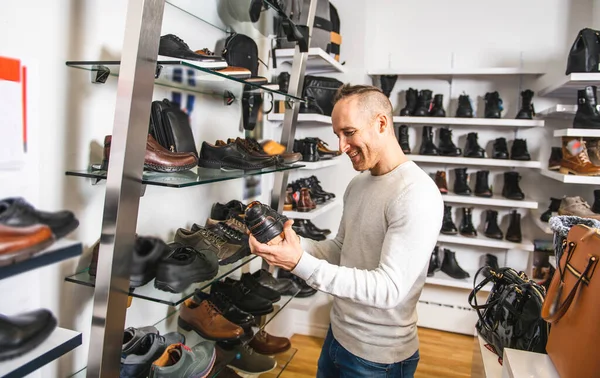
x=184, y=266
x=264, y=223
x=206, y=320
x=576, y=206
x=243, y=359
x=243, y=298
x=171, y=46
x=230, y=311
x=202, y=238
x=231, y=232
x=151, y=346
x=179, y=360
x=266, y=292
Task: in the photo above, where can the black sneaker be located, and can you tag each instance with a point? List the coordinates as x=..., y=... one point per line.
x=263, y=222
x=184, y=266
x=174, y=47
x=230, y=311
x=242, y=297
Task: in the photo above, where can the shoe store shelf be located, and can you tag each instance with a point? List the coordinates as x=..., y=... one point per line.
x=494, y=122
x=321, y=163
x=59, y=251
x=591, y=133
x=449, y=72
x=318, y=60
x=544, y=226
x=567, y=86
x=304, y=119
x=521, y=363
x=496, y=200
x=150, y=293
x=571, y=179
x=321, y=209
x=486, y=364
x=60, y=342
x=442, y=279
x=559, y=112
x=483, y=241
x=474, y=161
x=193, y=177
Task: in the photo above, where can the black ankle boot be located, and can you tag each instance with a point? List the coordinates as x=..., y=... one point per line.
x=427, y=146
x=434, y=262
x=491, y=261
x=438, y=106
x=554, y=206
x=492, y=230
x=284, y=81
x=511, y=189
x=587, y=116
x=518, y=151
x=411, y=103
x=527, y=111
x=466, y=224
x=387, y=83
x=450, y=266
x=493, y=105
x=461, y=186
x=308, y=147
x=448, y=227
x=596, y=205
x=446, y=145
x=500, y=150
x=465, y=110
x=513, y=233
x=472, y=148
x=403, y=139
x=423, y=103
x=482, y=187
x=555, y=158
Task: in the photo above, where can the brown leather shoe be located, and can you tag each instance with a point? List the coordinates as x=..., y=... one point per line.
x=207, y=321
x=323, y=150
x=440, y=181
x=305, y=203
x=266, y=344
x=20, y=243
x=157, y=157
x=578, y=164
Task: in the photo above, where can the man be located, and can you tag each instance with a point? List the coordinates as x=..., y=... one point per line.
x=377, y=264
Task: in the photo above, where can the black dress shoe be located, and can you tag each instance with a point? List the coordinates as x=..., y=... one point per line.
x=173, y=46
x=184, y=266
x=231, y=209
x=257, y=288
x=21, y=333
x=230, y=156
x=305, y=289
x=300, y=227
x=147, y=252
x=17, y=212
x=230, y=311
x=243, y=298
x=263, y=222
x=283, y=286
x=310, y=225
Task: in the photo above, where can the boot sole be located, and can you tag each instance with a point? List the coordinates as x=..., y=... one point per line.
x=165, y=169
x=566, y=171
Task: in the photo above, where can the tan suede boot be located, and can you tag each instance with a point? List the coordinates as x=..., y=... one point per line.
x=576, y=206
x=579, y=163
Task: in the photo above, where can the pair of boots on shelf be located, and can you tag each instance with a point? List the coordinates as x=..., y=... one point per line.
x=307, y=229
x=422, y=104
x=305, y=194
x=579, y=156
x=575, y=206
x=492, y=230
x=314, y=149
x=449, y=265
x=510, y=190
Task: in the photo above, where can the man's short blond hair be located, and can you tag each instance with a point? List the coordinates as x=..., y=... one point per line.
x=369, y=97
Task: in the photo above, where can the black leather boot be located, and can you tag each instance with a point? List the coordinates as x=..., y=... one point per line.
x=513, y=233
x=434, y=262
x=465, y=110
x=300, y=227
x=491, y=261
x=312, y=227
x=448, y=227
x=587, y=116
x=500, y=149
x=472, y=148
x=446, y=145
x=403, y=139
x=284, y=82
x=461, y=187
x=555, y=205
x=555, y=158
x=527, y=111
x=518, y=151
x=482, y=188
x=427, y=146
x=492, y=230
x=308, y=147
x=423, y=103
x=450, y=266
x=466, y=224
x=387, y=83
x=596, y=205
x=438, y=106
x=511, y=189
x=493, y=105
x=411, y=103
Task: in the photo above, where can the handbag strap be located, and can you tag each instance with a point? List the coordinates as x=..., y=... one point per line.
x=492, y=276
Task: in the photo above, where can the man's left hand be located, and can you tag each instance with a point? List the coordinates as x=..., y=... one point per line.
x=285, y=255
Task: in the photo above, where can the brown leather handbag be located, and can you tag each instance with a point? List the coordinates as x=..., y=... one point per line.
x=572, y=306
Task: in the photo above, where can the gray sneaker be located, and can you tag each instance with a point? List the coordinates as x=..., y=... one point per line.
x=204, y=238
x=132, y=337
x=179, y=361
x=244, y=359
x=150, y=347
x=576, y=206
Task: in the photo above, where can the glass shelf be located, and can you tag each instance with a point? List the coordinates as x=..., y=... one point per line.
x=182, y=74
x=150, y=293
x=196, y=176
x=283, y=361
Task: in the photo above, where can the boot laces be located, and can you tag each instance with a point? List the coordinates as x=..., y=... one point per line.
x=583, y=155
x=213, y=308
x=212, y=237
x=180, y=41
x=230, y=231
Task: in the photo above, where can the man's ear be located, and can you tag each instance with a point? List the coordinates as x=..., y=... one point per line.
x=382, y=122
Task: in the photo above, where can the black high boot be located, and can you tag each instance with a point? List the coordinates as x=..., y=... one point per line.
x=465, y=110
x=438, y=106
x=491, y=261
x=284, y=81
x=466, y=224
x=411, y=103
x=493, y=105
x=387, y=83
x=527, y=111
x=448, y=227
x=500, y=149
x=461, y=187
x=513, y=233
x=446, y=145
x=450, y=266
x=587, y=116
x=423, y=103
x=511, y=189
x=434, y=262
x=492, y=230
x=427, y=146
x=472, y=148
x=555, y=205
x=403, y=139
x=518, y=151
x=596, y=205
x=482, y=188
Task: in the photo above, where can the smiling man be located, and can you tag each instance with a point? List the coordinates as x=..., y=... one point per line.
x=376, y=266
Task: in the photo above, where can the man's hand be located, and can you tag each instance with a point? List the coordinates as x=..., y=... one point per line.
x=285, y=254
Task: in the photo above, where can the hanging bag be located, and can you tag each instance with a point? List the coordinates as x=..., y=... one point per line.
x=584, y=55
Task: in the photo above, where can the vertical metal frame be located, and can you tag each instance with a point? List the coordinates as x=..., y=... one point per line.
x=124, y=184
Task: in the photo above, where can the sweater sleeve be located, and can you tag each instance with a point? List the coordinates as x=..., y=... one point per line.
x=414, y=221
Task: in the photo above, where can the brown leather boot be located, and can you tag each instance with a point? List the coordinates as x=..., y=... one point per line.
x=440, y=181
x=290, y=203
x=305, y=203
x=593, y=146
x=578, y=164
x=207, y=321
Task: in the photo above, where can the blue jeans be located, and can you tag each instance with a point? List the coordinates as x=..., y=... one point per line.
x=335, y=361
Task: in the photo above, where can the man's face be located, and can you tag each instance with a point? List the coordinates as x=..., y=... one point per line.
x=359, y=135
